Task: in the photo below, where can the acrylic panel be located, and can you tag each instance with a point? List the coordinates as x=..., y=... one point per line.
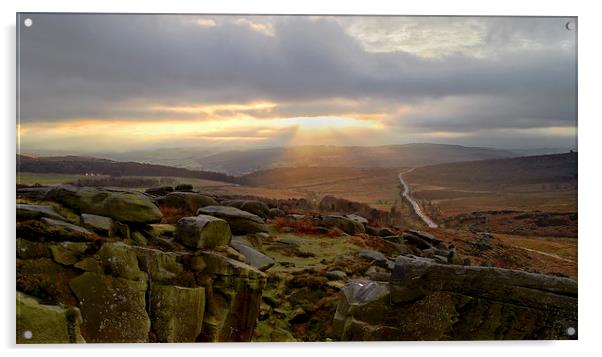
x=271, y=178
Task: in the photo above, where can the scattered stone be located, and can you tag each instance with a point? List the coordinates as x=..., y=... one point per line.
x=296, y=217
x=253, y=257
x=421, y=240
x=241, y=222
x=345, y=224
x=27, y=212
x=256, y=207
x=357, y=218
x=336, y=275
x=372, y=255
x=379, y=232
x=276, y=212
x=203, y=232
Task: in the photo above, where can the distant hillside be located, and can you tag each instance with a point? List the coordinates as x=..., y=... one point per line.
x=556, y=168
x=82, y=165
x=391, y=156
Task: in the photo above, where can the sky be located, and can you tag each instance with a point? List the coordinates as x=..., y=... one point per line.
x=117, y=83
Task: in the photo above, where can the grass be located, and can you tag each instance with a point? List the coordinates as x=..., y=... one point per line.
x=377, y=187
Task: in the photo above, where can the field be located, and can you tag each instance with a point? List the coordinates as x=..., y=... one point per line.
x=377, y=187
x=538, y=183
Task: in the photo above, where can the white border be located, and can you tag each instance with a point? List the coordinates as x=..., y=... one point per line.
x=590, y=132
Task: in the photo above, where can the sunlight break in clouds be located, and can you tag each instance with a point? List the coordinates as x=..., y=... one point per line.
x=262, y=81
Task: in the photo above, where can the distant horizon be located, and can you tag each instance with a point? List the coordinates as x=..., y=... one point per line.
x=100, y=154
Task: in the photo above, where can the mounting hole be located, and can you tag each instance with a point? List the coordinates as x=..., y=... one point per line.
x=570, y=25
x=28, y=22
x=27, y=335
x=571, y=331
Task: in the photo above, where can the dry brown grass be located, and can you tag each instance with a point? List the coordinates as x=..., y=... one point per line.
x=303, y=226
x=171, y=215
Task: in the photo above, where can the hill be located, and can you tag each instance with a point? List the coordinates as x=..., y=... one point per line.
x=546, y=183
x=556, y=168
x=390, y=156
x=81, y=165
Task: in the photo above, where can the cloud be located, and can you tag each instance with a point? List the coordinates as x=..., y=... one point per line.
x=415, y=75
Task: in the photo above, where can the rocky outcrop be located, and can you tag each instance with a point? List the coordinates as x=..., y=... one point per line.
x=253, y=257
x=345, y=224
x=76, y=282
x=428, y=301
x=241, y=222
x=125, y=206
x=258, y=208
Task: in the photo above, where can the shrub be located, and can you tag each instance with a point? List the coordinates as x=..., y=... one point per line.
x=171, y=215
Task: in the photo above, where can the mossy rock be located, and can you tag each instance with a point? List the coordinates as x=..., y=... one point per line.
x=159, y=265
x=113, y=309
x=38, y=323
x=176, y=312
x=32, y=250
x=69, y=253
x=187, y=202
x=241, y=222
x=203, y=232
x=26, y=212
x=99, y=224
x=117, y=259
x=48, y=230
x=125, y=206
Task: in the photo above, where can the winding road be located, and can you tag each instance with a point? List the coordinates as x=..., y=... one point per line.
x=406, y=194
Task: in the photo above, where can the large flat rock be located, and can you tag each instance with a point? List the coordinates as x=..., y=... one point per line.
x=125, y=206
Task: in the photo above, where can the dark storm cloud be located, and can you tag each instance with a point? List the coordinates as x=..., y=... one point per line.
x=96, y=66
